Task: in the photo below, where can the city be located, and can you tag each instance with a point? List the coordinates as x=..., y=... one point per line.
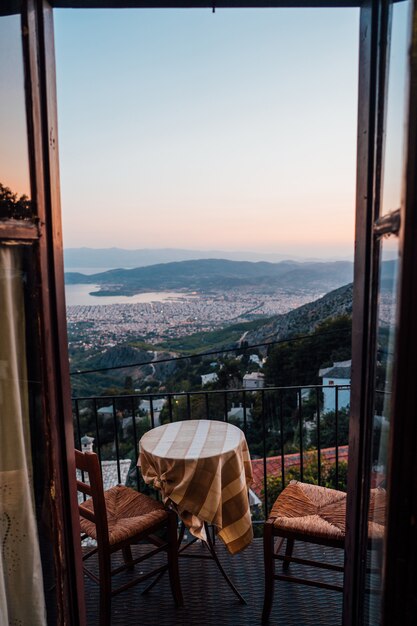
x=154, y=322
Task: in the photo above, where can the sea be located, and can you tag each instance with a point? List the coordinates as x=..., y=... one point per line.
x=80, y=294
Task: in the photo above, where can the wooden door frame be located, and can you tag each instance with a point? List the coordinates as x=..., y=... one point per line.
x=39, y=60
x=399, y=584
x=400, y=592
x=363, y=316
x=42, y=233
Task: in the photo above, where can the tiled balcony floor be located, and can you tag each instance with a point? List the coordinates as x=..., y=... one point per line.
x=210, y=602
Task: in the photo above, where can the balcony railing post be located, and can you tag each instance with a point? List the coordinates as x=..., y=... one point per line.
x=152, y=412
x=188, y=406
x=225, y=407
x=264, y=452
x=77, y=421
x=78, y=434
x=206, y=399
x=281, y=425
x=336, y=425
x=116, y=441
x=170, y=408
x=318, y=435
x=245, y=417
x=97, y=430
x=300, y=415
x=135, y=439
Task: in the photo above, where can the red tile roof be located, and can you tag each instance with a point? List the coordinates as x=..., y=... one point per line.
x=274, y=464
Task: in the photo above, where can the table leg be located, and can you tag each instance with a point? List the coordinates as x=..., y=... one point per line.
x=212, y=551
x=211, y=548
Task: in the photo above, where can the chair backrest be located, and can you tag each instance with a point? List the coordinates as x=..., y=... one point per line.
x=88, y=462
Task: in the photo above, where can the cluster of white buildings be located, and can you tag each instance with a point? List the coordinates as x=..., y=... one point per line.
x=156, y=321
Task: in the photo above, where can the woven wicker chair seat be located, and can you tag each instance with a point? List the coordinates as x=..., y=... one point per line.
x=128, y=513
x=320, y=512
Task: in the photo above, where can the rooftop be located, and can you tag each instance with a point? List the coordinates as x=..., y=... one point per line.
x=342, y=373
x=254, y=376
x=343, y=365
x=274, y=464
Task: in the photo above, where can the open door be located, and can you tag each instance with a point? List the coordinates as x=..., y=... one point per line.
x=378, y=586
x=40, y=572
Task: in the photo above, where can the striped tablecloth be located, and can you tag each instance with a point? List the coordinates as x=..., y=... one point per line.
x=203, y=467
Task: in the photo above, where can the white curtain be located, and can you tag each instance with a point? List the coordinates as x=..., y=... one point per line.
x=21, y=585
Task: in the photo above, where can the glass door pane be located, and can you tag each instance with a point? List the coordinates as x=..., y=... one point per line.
x=385, y=345
x=395, y=107
x=14, y=163
x=386, y=273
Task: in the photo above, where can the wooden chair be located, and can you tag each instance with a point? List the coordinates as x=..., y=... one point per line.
x=117, y=518
x=316, y=515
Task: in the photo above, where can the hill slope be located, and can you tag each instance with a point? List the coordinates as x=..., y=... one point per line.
x=217, y=274
x=305, y=318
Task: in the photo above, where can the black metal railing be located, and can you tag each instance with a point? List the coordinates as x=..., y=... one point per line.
x=292, y=432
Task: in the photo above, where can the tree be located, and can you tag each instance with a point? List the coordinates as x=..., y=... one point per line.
x=230, y=375
x=12, y=206
x=128, y=383
x=328, y=429
x=298, y=361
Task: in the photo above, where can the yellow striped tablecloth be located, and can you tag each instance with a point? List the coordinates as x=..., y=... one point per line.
x=203, y=467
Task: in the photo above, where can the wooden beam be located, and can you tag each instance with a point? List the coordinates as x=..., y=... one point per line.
x=203, y=4
x=363, y=337
x=26, y=230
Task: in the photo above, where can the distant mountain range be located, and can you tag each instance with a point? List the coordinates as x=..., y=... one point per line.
x=119, y=257
x=215, y=274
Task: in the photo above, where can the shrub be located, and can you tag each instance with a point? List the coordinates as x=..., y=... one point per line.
x=310, y=475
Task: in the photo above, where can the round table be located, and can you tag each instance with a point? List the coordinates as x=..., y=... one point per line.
x=203, y=467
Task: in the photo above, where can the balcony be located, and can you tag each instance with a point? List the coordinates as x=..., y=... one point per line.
x=291, y=434
x=209, y=602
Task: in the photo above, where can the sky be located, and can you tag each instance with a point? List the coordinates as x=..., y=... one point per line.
x=187, y=129
x=392, y=186
x=14, y=166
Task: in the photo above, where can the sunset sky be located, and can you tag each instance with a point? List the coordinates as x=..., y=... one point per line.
x=14, y=168
x=231, y=131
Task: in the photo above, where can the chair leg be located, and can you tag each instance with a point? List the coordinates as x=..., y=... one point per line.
x=105, y=588
x=288, y=553
x=173, y=569
x=269, y=566
x=127, y=557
